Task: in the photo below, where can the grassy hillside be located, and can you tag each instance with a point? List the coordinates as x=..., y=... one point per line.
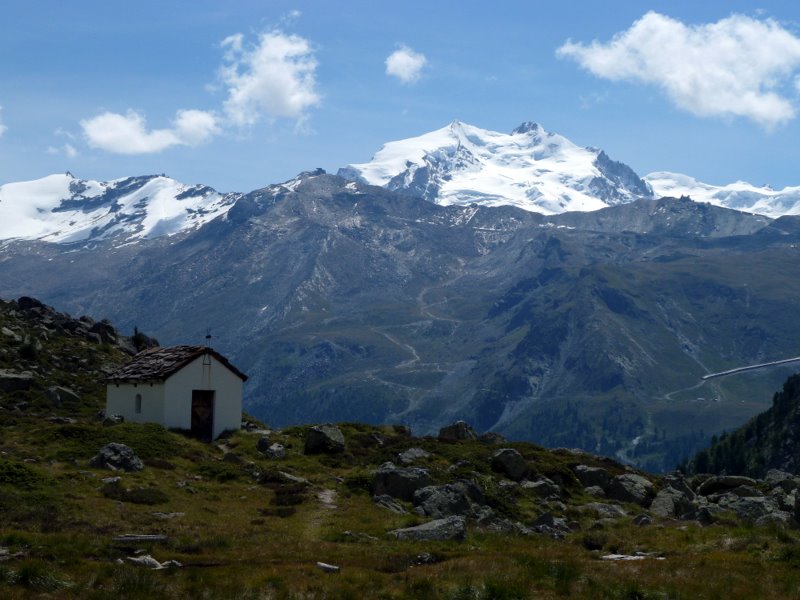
x=242, y=525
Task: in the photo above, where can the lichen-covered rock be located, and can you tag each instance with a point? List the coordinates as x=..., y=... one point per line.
x=510, y=463
x=117, y=457
x=324, y=439
x=450, y=528
x=399, y=482
x=631, y=488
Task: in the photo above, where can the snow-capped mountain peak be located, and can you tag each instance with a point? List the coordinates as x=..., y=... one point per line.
x=530, y=168
x=740, y=195
x=62, y=208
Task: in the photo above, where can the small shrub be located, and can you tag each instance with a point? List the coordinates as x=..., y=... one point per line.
x=20, y=476
x=37, y=576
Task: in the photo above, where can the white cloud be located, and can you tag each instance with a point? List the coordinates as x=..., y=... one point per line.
x=67, y=150
x=128, y=133
x=3, y=128
x=738, y=66
x=275, y=77
x=405, y=64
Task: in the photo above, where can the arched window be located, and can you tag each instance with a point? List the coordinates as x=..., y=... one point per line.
x=138, y=404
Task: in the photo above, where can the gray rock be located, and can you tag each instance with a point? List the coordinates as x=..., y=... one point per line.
x=592, y=476
x=544, y=488
x=275, y=451
x=679, y=483
x=748, y=508
x=12, y=381
x=509, y=462
x=746, y=491
x=263, y=443
x=594, y=490
x=450, y=528
x=324, y=439
x=631, y=488
x=610, y=511
x=458, y=431
x=7, y=332
x=642, y=520
x=399, y=482
x=781, y=479
x=670, y=502
x=723, y=483
x=389, y=503
x=116, y=456
x=460, y=498
x=550, y=525
x=58, y=395
x=779, y=518
x=412, y=455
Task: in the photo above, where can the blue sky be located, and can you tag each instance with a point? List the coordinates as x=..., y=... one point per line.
x=243, y=94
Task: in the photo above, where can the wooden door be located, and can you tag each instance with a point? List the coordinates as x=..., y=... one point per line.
x=203, y=414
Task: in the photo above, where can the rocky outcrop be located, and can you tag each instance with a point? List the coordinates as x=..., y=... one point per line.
x=117, y=457
x=399, y=482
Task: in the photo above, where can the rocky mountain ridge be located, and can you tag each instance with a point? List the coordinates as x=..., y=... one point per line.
x=531, y=169
x=353, y=302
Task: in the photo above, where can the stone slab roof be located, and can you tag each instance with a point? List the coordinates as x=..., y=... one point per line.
x=157, y=364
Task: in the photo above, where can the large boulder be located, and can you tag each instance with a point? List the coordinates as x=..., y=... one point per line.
x=592, y=476
x=458, y=431
x=631, y=488
x=324, y=439
x=450, y=528
x=510, y=463
x=439, y=501
x=117, y=457
x=399, y=482
x=670, y=502
x=723, y=483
